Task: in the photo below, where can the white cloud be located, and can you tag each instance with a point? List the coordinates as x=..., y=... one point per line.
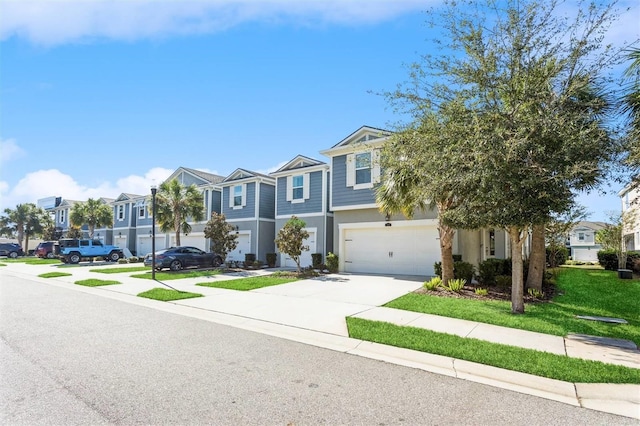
x=52, y=182
x=50, y=22
x=9, y=150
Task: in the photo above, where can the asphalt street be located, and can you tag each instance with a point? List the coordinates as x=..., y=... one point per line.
x=70, y=357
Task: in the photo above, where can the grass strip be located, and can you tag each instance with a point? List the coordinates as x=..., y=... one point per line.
x=121, y=270
x=580, y=292
x=166, y=295
x=54, y=274
x=93, y=282
x=529, y=361
x=165, y=276
x=247, y=284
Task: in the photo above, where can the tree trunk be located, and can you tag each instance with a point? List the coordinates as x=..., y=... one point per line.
x=517, y=284
x=446, y=252
x=537, y=260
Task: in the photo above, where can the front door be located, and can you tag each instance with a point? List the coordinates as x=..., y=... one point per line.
x=489, y=244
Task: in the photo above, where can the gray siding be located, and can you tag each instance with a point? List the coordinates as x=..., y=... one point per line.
x=266, y=240
x=311, y=205
x=267, y=201
x=188, y=179
x=248, y=211
x=346, y=196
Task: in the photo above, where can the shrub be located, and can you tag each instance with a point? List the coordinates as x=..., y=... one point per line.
x=456, y=285
x=271, y=259
x=123, y=260
x=457, y=258
x=480, y=291
x=463, y=270
x=633, y=261
x=316, y=260
x=332, y=262
x=433, y=283
x=608, y=259
x=536, y=294
x=489, y=269
x=557, y=255
x=503, y=282
x=437, y=269
x=135, y=259
x=258, y=264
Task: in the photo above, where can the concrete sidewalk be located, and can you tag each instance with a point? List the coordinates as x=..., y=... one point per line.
x=313, y=311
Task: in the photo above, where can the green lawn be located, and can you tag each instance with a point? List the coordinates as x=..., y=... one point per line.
x=251, y=283
x=502, y=356
x=30, y=260
x=121, y=270
x=165, y=276
x=92, y=282
x=54, y=274
x=594, y=292
x=166, y=295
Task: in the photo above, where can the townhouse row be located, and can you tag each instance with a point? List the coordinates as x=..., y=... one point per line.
x=336, y=199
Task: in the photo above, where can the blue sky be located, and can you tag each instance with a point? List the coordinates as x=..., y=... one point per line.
x=98, y=98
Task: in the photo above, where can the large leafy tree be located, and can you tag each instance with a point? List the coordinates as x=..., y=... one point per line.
x=534, y=110
x=222, y=235
x=290, y=239
x=93, y=213
x=176, y=203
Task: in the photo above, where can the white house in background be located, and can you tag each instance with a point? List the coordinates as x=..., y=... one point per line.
x=630, y=197
x=582, y=241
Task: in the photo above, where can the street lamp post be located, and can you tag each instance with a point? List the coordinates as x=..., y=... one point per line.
x=153, y=232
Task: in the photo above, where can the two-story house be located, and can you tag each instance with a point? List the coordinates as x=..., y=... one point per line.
x=582, y=241
x=302, y=190
x=248, y=203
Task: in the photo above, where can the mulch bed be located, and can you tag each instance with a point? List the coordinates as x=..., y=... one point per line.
x=494, y=293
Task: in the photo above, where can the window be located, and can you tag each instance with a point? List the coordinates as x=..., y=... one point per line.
x=121, y=212
x=580, y=236
x=141, y=211
x=237, y=196
x=492, y=242
x=62, y=216
x=363, y=168
x=298, y=187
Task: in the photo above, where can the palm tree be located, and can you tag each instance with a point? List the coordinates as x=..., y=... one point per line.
x=175, y=203
x=16, y=220
x=631, y=107
x=93, y=213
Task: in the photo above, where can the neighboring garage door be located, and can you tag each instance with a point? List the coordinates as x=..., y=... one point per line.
x=191, y=240
x=585, y=254
x=399, y=250
x=144, y=244
x=243, y=247
x=305, y=258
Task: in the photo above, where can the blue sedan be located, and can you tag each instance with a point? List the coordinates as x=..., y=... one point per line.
x=178, y=258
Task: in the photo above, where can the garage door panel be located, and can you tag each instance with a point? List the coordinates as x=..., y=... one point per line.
x=388, y=250
x=243, y=247
x=305, y=257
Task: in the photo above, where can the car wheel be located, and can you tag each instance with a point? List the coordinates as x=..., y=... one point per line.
x=13, y=254
x=175, y=265
x=74, y=258
x=217, y=261
x=50, y=255
x=114, y=256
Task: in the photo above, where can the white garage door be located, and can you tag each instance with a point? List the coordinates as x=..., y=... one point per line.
x=191, y=240
x=243, y=247
x=399, y=250
x=305, y=257
x=144, y=244
x=585, y=254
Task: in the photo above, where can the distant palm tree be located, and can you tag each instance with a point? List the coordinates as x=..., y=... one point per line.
x=15, y=221
x=93, y=213
x=175, y=204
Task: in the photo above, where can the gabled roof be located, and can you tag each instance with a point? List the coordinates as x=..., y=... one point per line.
x=106, y=200
x=364, y=135
x=584, y=224
x=205, y=177
x=67, y=203
x=126, y=197
x=299, y=162
x=243, y=174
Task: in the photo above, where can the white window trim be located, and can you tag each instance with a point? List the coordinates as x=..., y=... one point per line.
x=305, y=188
x=120, y=212
x=232, y=196
x=375, y=170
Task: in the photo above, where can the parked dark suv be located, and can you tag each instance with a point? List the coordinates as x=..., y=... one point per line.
x=11, y=250
x=46, y=249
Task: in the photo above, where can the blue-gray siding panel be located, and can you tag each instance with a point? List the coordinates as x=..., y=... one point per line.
x=248, y=211
x=311, y=205
x=267, y=201
x=344, y=196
